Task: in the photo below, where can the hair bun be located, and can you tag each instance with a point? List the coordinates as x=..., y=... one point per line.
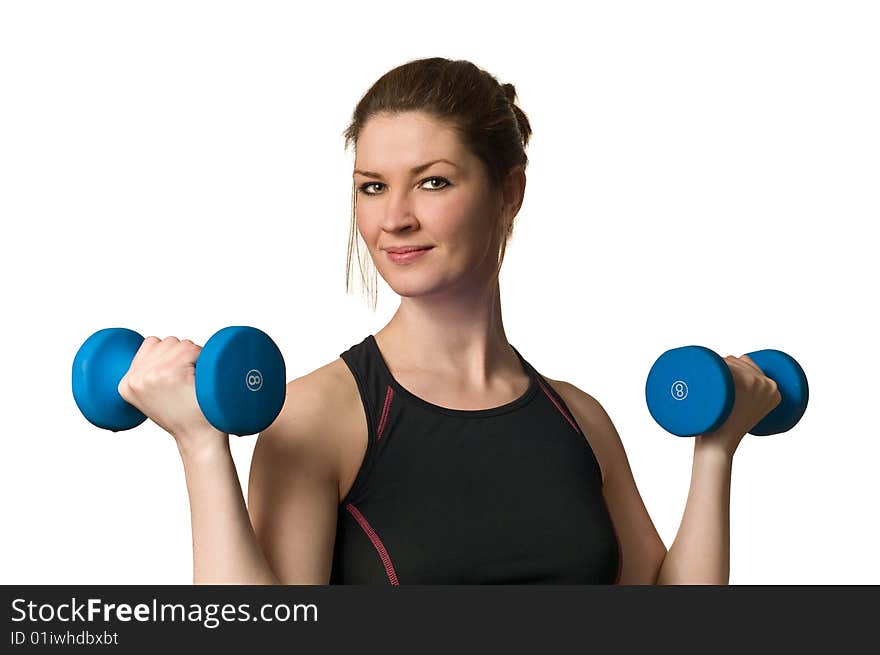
x=522, y=122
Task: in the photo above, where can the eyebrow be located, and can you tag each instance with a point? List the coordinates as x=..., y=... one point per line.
x=417, y=169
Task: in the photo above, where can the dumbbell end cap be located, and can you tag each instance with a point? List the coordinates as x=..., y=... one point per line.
x=98, y=366
x=240, y=380
x=689, y=391
x=791, y=380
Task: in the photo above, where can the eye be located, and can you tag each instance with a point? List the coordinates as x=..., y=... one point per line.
x=363, y=187
x=442, y=179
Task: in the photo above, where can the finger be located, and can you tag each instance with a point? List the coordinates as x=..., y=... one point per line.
x=739, y=363
x=734, y=361
x=748, y=360
x=191, y=344
x=180, y=351
x=145, y=349
x=189, y=350
x=165, y=349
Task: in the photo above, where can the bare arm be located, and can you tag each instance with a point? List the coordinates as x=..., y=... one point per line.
x=294, y=472
x=225, y=549
x=286, y=533
x=293, y=489
x=642, y=550
x=700, y=553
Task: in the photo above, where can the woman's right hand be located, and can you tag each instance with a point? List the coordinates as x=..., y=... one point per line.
x=160, y=382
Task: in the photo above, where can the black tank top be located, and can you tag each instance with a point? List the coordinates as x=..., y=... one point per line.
x=505, y=495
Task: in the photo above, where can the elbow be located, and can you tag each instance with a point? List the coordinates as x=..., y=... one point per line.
x=657, y=570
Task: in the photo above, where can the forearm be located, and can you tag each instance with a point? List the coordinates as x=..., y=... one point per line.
x=700, y=553
x=225, y=547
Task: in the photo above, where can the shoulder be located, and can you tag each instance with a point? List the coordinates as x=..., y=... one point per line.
x=325, y=387
x=594, y=423
x=293, y=487
x=318, y=408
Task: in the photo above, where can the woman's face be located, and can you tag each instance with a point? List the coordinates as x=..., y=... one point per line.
x=446, y=205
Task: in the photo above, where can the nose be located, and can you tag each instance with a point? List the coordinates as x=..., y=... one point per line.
x=398, y=214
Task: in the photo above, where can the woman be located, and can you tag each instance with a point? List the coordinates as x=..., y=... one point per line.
x=432, y=451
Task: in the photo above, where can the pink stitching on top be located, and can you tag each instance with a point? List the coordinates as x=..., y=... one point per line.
x=559, y=407
x=377, y=542
x=389, y=394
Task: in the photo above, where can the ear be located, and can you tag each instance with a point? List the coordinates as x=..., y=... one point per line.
x=514, y=189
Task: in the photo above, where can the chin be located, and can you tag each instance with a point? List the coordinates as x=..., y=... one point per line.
x=416, y=285
x=412, y=290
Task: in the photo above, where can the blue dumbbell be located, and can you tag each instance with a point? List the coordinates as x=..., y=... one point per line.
x=690, y=391
x=240, y=379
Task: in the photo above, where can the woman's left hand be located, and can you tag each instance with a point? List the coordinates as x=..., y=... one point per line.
x=756, y=395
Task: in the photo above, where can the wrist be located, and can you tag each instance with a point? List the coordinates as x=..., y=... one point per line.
x=717, y=449
x=203, y=447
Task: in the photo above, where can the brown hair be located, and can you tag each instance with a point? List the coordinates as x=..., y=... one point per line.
x=480, y=109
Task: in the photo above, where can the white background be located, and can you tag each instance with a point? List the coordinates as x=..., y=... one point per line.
x=700, y=173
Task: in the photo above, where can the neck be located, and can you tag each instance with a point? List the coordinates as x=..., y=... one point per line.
x=456, y=336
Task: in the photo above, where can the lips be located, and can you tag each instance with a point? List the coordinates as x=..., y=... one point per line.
x=405, y=249
x=410, y=255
